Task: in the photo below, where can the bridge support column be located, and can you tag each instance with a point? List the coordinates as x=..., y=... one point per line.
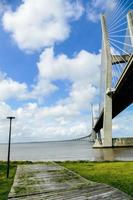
x=93, y=135
x=107, y=120
x=130, y=24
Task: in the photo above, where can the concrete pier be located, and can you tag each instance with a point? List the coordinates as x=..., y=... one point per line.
x=116, y=142
x=122, y=142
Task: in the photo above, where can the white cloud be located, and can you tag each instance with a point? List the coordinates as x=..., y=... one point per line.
x=66, y=118
x=82, y=67
x=42, y=89
x=37, y=24
x=11, y=89
x=82, y=70
x=78, y=70
x=35, y=123
x=81, y=96
x=96, y=7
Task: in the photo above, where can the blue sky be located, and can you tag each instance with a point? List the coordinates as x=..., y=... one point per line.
x=49, y=67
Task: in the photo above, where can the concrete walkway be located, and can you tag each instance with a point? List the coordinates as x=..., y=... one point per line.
x=53, y=182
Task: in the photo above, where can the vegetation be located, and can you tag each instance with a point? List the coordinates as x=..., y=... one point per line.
x=5, y=184
x=116, y=174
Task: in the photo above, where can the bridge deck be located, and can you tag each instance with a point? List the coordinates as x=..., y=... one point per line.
x=123, y=95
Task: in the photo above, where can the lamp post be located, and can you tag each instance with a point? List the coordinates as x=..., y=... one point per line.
x=9, y=144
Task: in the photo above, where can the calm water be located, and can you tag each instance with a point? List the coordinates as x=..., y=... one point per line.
x=74, y=150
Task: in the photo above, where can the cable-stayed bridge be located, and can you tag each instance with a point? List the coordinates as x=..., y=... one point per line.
x=116, y=86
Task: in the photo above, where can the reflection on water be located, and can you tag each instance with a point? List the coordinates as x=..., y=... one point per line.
x=74, y=150
x=107, y=154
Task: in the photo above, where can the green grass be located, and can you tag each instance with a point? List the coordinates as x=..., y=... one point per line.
x=5, y=184
x=116, y=174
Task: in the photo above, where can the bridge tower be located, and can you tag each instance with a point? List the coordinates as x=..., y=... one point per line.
x=107, y=120
x=105, y=117
x=130, y=25
x=93, y=134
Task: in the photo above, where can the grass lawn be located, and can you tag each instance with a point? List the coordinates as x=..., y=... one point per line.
x=5, y=184
x=117, y=174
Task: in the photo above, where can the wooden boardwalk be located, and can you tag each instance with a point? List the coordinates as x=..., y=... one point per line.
x=53, y=182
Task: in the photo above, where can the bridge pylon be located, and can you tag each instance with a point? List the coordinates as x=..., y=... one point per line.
x=130, y=24
x=93, y=134
x=107, y=120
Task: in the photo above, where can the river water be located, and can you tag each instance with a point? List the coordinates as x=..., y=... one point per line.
x=61, y=151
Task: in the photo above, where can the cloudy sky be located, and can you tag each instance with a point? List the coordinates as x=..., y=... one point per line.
x=50, y=55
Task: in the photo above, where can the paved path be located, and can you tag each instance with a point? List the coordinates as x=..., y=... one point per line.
x=53, y=182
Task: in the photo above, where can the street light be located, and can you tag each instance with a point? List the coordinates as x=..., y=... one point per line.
x=9, y=143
